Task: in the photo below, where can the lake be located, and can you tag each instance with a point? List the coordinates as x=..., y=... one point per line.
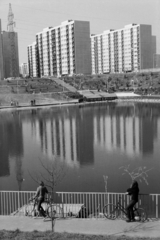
x=87, y=142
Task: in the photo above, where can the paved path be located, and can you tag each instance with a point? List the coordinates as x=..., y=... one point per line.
x=64, y=84
x=84, y=226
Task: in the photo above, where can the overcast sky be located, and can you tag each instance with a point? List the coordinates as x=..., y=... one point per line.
x=31, y=16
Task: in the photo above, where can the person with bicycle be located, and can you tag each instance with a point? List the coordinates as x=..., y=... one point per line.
x=133, y=191
x=40, y=196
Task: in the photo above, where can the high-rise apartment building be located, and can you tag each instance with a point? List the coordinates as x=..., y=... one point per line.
x=24, y=69
x=1, y=56
x=32, y=60
x=9, y=56
x=122, y=50
x=156, y=61
x=63, y=50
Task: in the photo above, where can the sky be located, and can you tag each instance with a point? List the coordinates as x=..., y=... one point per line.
x=32, y=16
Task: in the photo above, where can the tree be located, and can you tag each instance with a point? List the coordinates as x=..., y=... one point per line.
x=53, y=174
x=106, y=182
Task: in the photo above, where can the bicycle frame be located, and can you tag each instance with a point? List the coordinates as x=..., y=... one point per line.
x=121, y=208
x=34, y=211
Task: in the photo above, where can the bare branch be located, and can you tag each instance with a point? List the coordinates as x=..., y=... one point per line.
x=140, y=172
x=35, y=180
x=46, y=168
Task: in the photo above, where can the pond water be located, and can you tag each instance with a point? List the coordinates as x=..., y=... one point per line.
x=84, y=142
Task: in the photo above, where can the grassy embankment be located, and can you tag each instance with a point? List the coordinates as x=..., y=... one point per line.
x=17, y=235
x=24, y=91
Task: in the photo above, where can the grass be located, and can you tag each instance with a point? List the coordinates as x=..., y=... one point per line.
x=6, y=98
x=48, y=235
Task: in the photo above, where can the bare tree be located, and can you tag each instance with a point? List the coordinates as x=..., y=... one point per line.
x=53, y=173
x=106, y=182
x=140, y=173
x=105, y=178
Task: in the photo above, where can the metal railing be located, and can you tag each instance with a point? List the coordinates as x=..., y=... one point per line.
x=11, y=201
x=93, y=202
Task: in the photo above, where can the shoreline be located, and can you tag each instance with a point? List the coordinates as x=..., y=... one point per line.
x=54, y=104
x=120, y=98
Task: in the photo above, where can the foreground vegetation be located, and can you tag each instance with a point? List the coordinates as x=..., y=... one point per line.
x=17, y=235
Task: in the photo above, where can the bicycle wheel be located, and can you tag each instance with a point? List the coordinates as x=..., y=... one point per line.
x=140, y=214
x=54, y=211
x=110, y=211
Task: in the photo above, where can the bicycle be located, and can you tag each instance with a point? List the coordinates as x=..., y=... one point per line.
x=111, y=211
x=51, y=210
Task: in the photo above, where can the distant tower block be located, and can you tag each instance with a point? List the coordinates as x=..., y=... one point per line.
x=11, y=23
x=10, y=48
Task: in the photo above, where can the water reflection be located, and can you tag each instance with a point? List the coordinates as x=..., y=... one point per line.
x=121, y=129
x=11, y=140
x=92, y=140
x=69, y=136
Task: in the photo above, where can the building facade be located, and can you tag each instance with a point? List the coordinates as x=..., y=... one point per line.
x=10, y=54
x=32, y=60
x=1, y=56
x=123, y=50
x=24, y=69
x=63, y=50
x=156, y=61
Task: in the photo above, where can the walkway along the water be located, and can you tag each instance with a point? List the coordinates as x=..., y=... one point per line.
x=92, y=96
x=89, y=98
x=93, y=226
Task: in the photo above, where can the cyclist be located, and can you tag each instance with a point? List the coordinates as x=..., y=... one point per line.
x=134, y=192
x=40, y=195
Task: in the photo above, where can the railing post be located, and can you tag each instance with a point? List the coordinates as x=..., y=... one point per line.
x=62, y=206
x=156, y=206
x=18, y=200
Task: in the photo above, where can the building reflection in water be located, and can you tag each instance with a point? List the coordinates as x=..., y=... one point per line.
x=11, y=144
x=58, y=138
x=112, y=133
x=70, y=137
x=73, y=136
x=75, y=133
x=130, y=133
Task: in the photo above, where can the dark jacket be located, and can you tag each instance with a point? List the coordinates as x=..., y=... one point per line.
x=134, y=191
x=41, y=191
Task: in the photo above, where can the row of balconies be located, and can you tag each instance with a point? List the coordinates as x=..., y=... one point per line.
x=116, y=60
x=113, y=66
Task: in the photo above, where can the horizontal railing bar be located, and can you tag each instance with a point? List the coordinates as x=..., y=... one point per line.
x=146, y=194
x=18, y=191
x=89, y=193
x=82, y=192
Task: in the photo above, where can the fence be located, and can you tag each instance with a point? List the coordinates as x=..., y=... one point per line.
x=94, y=202
x=10, y=201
